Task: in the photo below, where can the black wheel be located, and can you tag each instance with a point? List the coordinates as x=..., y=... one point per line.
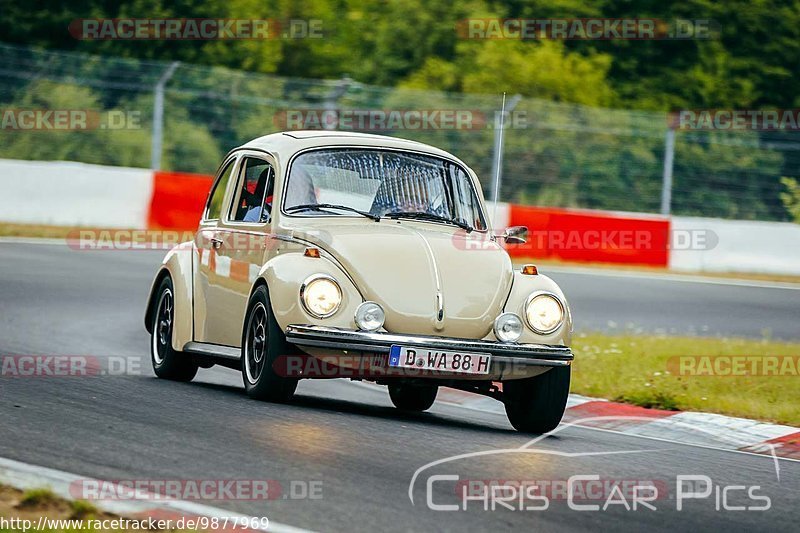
x=537, y=404
x=167, y=362
x=413, y=397
x=262, y=343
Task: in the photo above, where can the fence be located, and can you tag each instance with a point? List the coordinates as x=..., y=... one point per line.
x=185, y=117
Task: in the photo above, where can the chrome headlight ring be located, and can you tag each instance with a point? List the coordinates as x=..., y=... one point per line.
x=551, y=296
x=307, y=289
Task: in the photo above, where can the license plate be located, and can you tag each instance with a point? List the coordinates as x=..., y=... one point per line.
x=441, y=360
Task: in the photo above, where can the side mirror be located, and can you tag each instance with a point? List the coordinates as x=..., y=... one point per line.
x=516, y=235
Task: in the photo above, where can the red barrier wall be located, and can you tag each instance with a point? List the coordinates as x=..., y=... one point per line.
x=591, y=236
x=561, y=234
x=178, y=200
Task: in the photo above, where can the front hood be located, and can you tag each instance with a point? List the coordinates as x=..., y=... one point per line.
x=429, y=279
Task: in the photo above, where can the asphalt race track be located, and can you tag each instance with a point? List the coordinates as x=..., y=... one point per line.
x=345, y=437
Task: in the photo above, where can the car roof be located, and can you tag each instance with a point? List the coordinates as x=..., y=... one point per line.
x=285, y=144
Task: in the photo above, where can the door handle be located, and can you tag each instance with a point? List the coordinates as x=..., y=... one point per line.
x=215, y=243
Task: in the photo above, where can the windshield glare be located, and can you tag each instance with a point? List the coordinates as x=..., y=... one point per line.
x=381, y=183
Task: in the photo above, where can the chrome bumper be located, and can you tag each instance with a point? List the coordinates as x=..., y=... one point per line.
x=376, y=342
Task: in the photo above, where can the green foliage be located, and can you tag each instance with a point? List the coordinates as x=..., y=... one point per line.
x=723, y=179
x=543, y=70
x=88, y=145
x=791, y=198
x=81, y=509
x=37, y=497
x=188, y=146
x=748, y=59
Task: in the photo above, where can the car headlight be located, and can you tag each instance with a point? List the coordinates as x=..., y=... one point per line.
x=544, y=312
x=321, y=295
x=369, y=316
x=508, y=327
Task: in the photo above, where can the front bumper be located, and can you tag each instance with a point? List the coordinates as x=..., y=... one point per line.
x=511, y=354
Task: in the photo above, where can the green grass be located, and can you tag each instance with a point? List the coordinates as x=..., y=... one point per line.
x=638, y=369
x=37, y=497
x=34, y=231
x=35, y=503
x=81, y=509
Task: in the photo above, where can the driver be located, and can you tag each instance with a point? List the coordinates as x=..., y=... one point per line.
x=254, y=214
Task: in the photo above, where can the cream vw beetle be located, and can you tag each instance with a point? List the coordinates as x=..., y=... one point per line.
x=367, y=254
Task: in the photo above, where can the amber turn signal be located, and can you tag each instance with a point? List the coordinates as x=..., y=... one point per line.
x=311, y=252
x=528, y=270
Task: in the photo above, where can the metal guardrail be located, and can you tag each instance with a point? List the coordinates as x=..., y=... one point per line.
x=185, y=117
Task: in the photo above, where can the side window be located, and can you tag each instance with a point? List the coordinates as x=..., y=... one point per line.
x=214, y=206
x=253, y=201
x=467, y=205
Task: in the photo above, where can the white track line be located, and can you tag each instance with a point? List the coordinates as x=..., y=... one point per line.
x=31, y=240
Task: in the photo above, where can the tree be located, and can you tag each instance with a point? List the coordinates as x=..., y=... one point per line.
x=791, y=198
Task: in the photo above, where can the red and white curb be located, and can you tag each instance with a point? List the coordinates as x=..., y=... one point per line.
x=25, y=476
x=702, y=429
x=685, y=427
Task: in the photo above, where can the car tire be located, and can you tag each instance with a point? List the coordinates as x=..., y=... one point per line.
x=263, y=342
x=537, y=404
x=168, y=363
x=416, y=398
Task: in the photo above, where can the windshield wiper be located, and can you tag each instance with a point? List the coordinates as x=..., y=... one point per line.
x=323, y=207
x=430, y=216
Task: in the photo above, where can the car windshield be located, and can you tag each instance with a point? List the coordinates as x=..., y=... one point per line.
x=382, y=183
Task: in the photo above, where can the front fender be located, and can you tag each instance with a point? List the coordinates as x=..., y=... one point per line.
x=178, y=264
x=284, y=274
x=523, y=286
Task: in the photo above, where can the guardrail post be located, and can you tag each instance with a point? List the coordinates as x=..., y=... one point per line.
x=157, y=138
x=666, y=182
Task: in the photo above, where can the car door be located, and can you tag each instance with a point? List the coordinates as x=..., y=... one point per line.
x=247, y=240
x=210, y=275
